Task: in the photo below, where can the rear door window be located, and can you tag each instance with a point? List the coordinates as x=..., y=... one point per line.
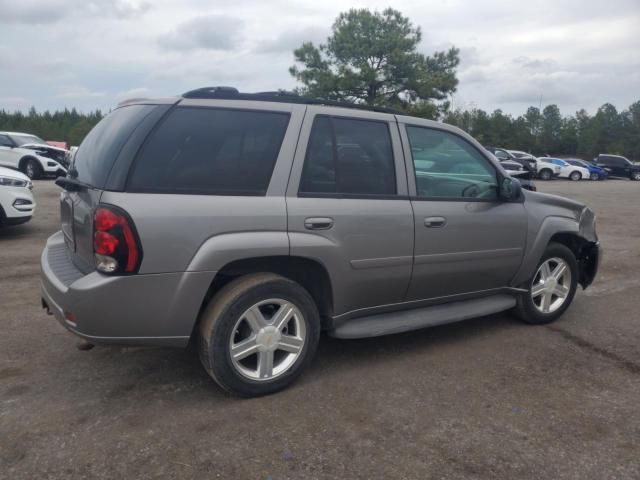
x=348, y=157
x=98, y=151
x=210, y=151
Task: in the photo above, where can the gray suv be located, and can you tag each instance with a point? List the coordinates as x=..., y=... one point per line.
x=249, y=223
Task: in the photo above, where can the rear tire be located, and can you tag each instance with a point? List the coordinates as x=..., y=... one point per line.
x=635, y=176
x=545, y=174
x=575, y=176
x=258, y=334
x=31, y=168
x=530, y=307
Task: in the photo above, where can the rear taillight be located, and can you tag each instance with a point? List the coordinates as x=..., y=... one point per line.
x=116, y=247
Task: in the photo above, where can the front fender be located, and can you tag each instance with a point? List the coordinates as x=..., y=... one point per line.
x=538, y=237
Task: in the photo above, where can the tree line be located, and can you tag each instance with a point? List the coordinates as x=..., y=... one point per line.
x=548, y=132
x=66, y=125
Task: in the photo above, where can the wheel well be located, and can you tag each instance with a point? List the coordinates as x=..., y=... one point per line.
x=308, y=273
x=24, y=159
x=583, y=251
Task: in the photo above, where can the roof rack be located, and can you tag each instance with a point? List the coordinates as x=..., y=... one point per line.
x=231, y=93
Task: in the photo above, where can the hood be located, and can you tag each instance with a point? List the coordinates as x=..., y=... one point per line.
x=7, y=172
x=43, y=146
x=574, y=208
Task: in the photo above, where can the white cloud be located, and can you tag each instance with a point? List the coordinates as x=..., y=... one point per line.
x=213, y=32
x=93, y=53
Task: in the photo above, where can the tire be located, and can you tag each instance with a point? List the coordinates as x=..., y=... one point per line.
x=532, y=311
x=635, y=176
x=594, y=177
x=575, y=176
x=231, y=317
x=31, y=168
x=545, y=174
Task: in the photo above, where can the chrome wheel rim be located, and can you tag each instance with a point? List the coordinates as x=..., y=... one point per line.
x=30, y=170
x=594, y=176
x=551, y=285
x=267, y=339
x=575, y=176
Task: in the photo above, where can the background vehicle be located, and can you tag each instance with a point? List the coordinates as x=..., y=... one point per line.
x=31, y=155
x=595, y=172
x=527, y=161
x=256, y=220
x=546, y=169
x=572, y=172
x=618, y=166
x=16, y=200
x=525, y=178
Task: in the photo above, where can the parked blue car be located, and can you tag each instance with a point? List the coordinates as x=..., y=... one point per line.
x=595, y=172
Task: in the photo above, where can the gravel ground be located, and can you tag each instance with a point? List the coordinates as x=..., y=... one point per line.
x=486, y=398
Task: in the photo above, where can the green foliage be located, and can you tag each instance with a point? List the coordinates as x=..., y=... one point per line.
x=66, y=125
x=372, y=58
x=550, y=133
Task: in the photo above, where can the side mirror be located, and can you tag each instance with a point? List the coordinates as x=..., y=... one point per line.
x=510, y=189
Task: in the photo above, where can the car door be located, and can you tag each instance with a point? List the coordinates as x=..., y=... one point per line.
x=348, y=207
x=8, y=155
x=467, y=240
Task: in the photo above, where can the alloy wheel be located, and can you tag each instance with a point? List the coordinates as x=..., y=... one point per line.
x=551, y=285
x=30, y=169
x=267, y=339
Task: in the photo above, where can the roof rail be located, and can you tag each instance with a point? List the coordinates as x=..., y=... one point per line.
x=281, y=96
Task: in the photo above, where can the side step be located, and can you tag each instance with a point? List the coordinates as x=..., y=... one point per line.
x=406, y=320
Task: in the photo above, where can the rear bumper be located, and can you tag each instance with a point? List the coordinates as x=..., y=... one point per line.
x=154, y=309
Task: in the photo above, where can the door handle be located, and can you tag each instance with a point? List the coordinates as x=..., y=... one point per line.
x=435, y=222
x=318, y=223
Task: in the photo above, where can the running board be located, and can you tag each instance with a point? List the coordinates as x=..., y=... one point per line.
x=406, y=320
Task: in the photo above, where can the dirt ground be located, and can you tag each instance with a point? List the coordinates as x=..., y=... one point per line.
x=485, y=398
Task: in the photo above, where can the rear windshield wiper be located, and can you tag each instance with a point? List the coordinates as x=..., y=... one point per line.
x=71, y=184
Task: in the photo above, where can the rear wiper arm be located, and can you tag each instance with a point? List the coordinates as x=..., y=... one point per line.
x=71, y=184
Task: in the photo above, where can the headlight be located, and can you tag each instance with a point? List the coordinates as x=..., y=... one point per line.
x=13, y=182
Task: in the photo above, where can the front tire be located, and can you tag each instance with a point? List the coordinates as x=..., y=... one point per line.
x=552, y=288
x=31, y=168
x=258, y=334
x=635, y=176
x=594, y=176
x=545, y=174
x=575, y=176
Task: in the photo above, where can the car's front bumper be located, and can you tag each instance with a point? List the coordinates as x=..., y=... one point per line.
x=17, y=204
x=154, y=309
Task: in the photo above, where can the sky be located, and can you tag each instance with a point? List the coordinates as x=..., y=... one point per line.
x=92, y=54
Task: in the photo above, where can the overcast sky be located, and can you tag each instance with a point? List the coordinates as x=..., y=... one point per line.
x=93, y=53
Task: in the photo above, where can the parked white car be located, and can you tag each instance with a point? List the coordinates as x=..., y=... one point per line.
x=31, y=155
x=16, y=200
x=572, y=172
x=547, y=170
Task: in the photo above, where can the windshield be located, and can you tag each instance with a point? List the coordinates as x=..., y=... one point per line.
x=24, y=139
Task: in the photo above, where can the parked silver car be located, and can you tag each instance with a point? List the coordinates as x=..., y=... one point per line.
x=251, y=222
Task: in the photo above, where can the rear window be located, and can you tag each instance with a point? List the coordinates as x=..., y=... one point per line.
x=212, y=151
x=98, y=151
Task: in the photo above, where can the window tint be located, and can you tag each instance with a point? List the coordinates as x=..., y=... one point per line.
x=210, y=151
x=99, y=149
x=5, y=141
x=349, y=156
x=448, y=166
